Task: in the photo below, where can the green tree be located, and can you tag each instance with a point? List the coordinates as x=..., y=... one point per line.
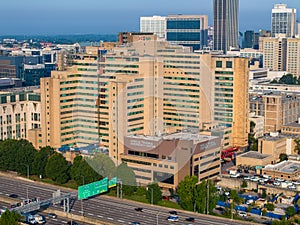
x=290, y=211
x=264, y=194
x=186, y=192
x=57, y=168
x=10, y=218
x=253, y=142
x=234, y=195
x=244, y=184
x=154, y=194
x=127, y=176
x=16, y=155
x=141, y=191
x=270, y=207
x=82, y=172
x=206, y=197
x=102, y=164
x=283, y=157
x=297, y=145
x=41, y=159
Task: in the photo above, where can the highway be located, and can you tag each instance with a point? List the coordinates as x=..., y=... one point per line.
x=105, y=208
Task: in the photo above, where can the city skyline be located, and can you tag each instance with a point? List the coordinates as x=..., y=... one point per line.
x=84, y=17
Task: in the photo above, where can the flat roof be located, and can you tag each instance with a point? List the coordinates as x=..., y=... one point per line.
x=285, y=167
x=196, y=138
x=293, y=124
x=254, y=155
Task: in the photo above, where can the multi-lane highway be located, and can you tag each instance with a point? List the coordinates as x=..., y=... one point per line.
x=107, y=209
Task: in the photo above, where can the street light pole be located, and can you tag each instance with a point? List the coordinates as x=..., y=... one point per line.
x=82, y=199
x=157, y=218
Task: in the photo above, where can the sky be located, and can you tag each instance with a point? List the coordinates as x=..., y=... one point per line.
x=49, y=17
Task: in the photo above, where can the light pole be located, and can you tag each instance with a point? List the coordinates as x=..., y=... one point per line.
x=151, y=194
x=157, y=218
x=82, y=199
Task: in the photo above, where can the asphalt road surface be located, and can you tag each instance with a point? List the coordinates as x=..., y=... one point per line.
x=104, y=208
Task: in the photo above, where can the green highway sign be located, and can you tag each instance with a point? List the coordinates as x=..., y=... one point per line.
x=95, y=188
x=112, y=182
x=103, y=185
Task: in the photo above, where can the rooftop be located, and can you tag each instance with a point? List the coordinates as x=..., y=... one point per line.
x=285, y=167
x=293, y=124
x=254, y=155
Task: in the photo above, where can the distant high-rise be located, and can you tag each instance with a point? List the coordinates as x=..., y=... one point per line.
x=283, y=20
x=226, y=24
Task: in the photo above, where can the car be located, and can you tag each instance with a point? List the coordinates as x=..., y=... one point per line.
x=172, y=218
x=72, y=223
x=279, y=179
x=135, y=223
x=247, y=178
x=13, y=196
x=173, y=212
x=291, y=186
x=52, y=215
x=237, y=175
x=254, y=179
x=138, y=209
x=242, y=214
x=190, y=219
x=276, y=183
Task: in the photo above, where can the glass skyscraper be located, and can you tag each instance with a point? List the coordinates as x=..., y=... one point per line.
x=226, y=24
x=187, y=30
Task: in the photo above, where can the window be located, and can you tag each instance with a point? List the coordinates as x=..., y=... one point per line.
x=228, y=64
x=219, y=64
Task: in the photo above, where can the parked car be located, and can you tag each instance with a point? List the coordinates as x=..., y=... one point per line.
x=292, y=186
x=242, y=214
x=279, y=179
x=276, y=183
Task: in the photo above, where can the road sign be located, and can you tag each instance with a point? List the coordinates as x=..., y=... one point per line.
x=103, y=185
x=95, y=188
x=112, y=182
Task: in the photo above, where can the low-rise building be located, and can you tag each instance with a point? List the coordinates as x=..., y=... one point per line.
x=288, y=170
x=259, y=121
x=167, y=159
x=254, y=159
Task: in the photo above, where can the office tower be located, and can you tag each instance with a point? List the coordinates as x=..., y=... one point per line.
x=283, y=20
x=231, y=104
x=226, y=24
x=282, y=54
x=154, y=24
x=274, y=51
x=187, y=30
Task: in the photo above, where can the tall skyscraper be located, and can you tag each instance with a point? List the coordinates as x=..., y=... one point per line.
x=283, y=20
x=226, y=24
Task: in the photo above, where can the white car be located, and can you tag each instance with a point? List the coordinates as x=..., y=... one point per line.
x=173, y=218
x=279, y=179
x=276, y=183
x=242, y=214
x=292, y=187
x=254, y=179
x=235, y=175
